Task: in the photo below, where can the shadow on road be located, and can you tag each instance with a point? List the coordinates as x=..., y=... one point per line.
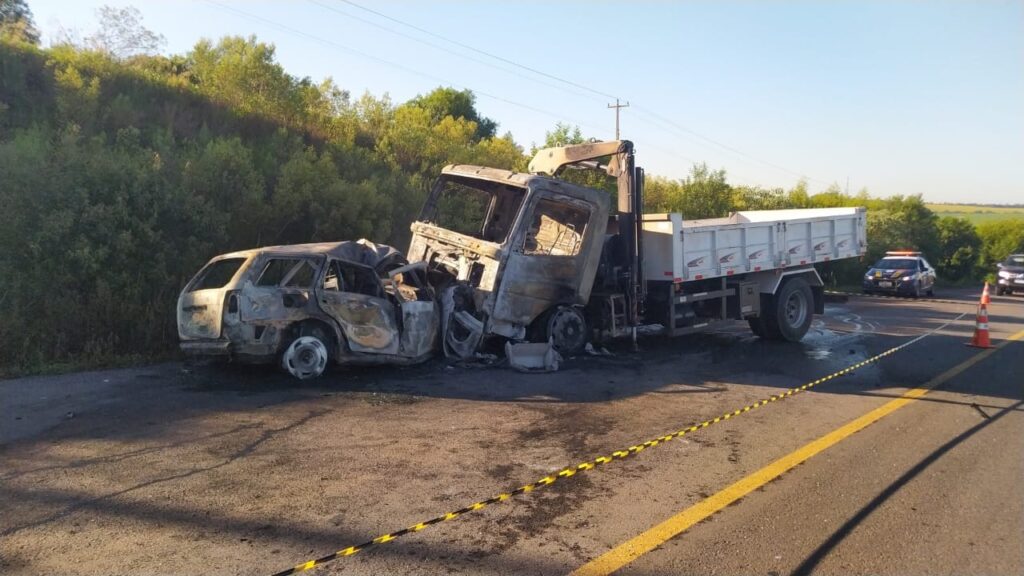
x=811, y=562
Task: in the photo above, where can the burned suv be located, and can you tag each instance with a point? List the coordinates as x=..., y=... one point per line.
x=308, y=305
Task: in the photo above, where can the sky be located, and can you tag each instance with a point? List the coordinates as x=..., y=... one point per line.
x=903, y=98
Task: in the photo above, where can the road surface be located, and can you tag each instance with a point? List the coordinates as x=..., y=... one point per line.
x=166, y=469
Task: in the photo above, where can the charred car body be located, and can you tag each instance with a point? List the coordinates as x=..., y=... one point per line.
x=308, y=305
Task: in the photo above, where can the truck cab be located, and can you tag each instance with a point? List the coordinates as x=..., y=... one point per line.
x=535, y=257
x=516, y=254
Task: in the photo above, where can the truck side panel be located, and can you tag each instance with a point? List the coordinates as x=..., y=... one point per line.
x=747, y=242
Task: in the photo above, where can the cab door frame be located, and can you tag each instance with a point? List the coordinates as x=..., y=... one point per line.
x=532, y=282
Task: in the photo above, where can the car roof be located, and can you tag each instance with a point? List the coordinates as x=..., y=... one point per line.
x=288, y=250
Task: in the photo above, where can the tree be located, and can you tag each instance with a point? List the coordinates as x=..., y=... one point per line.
x=444, y=102
x=122, y=35
x=705, y=194
x=243, y=74
x=999, y=239
x=16, y=22
x=959, y=248
x=902, y=223
x=562, y=135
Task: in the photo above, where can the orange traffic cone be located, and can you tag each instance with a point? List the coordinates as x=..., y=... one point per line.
x=984, y=295
x=980, y=339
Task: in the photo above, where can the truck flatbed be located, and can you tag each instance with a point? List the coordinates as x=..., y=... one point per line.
x=679, y=250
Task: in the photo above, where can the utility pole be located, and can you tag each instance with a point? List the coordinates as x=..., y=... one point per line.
x=617, y=106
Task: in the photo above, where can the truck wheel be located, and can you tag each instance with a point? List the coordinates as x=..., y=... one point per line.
x=566, y=328
x=792, y=311
x=308, y=354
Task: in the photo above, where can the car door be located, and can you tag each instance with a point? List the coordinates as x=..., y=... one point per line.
x=420, y=325
x=278, y=290
x=927, y=275
x=352, y=294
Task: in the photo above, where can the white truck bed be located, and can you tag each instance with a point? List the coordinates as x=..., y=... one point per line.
x=678, y=250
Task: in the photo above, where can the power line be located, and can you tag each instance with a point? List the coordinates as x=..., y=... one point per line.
x=657, y=116
x=396, y=65
x=450, y=51
x=479, y=51
x=587, y=88
x=433, y=78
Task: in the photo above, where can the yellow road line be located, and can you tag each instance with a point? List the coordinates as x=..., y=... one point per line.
x=650, y=539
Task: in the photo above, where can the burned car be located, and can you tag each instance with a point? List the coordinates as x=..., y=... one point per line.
x=309, y=305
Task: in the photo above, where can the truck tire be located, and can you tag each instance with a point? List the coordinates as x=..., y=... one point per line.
x=566, y=328
x=761, y=325
x=791, y=311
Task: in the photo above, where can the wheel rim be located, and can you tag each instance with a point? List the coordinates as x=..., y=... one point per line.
x=305, y=358
x=796, y=309
x=567, y=330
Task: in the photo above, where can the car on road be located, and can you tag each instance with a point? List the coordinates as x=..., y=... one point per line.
x=310, y=305
x=901, y=273
x=1011, y=275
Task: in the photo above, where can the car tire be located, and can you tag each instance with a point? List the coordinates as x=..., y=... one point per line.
x=791, y=311
x=931, y=292
x=309, y=353
x=1000, y=291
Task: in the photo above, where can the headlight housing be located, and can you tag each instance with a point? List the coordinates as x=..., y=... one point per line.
x=907, y=278
x=1005, y=274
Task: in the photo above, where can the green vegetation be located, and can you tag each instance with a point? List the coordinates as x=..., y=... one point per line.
x=979, y=214
x=122, y=172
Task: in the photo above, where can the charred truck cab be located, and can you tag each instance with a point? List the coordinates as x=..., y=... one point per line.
x=531, y=256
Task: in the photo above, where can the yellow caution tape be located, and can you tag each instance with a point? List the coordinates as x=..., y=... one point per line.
x=600, y=460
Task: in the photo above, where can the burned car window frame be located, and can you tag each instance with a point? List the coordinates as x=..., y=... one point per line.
x=345, y=283
x=200, y=280
x=284, y=272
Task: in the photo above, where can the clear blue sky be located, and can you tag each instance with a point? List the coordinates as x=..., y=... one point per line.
x=899, y=97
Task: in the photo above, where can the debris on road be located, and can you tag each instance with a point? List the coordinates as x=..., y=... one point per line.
x=532, y=356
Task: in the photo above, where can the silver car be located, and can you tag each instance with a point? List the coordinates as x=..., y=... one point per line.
x=310, y=305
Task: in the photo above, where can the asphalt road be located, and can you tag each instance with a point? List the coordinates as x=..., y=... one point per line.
x=164, y=469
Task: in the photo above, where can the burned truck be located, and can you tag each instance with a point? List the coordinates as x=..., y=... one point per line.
x=536, y=257
x=498, y=256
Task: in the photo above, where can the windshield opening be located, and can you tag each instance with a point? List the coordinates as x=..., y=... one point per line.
x=1015, y=260
x=481, y=209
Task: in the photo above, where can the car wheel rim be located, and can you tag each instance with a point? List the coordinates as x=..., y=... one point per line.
x=306, y=357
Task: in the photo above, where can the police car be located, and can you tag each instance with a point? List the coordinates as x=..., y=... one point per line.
x=902, y=272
